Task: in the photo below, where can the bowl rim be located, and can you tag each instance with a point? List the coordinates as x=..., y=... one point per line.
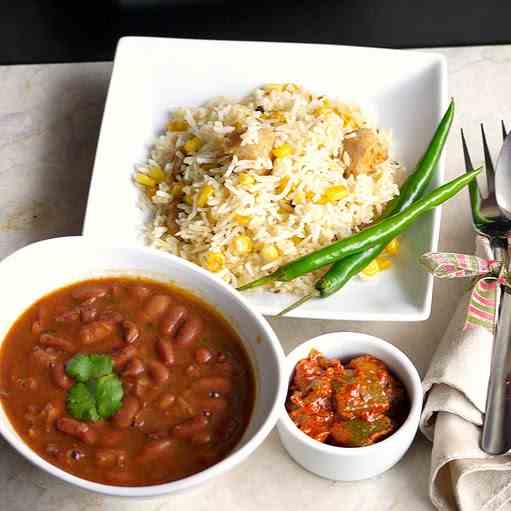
x=232, y=459
x=416, y=395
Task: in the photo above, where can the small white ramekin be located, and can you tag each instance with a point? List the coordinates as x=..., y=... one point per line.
x=354, y=463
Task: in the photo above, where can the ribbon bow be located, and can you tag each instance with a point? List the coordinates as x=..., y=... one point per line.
x=489, y=274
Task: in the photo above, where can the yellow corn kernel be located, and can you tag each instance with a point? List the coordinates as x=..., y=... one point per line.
x=282, y=184
x=177, y=189
x=335, y=193
x=299, y=197
x=285, y=207
x=192, y=145
x=241, y=245
x=269, y=253
x=371, y=269
x=296, y=240
x=188, y=199
x=215, y=261
x=177, y=125
x=310, y=196
x=246, y=179
x=203, y=196
x=322, y=110
x=293, y=87
x=392, y=248
x=276, y=116
x=156, y=172
x=210, y=216
x=384, y=263
x=269, y=87
x=242, y=219
x=322, y=200
x=144, y=180
x=282, y=151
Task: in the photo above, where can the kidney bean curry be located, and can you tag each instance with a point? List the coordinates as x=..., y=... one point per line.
x=348, y=405
x=126, y=381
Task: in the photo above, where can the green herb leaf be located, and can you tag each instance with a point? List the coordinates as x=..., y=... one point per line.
x=101, y=365
x=84, y=367
x=109, y=393
x=98, y=392
x=81, y=403
x=79, y=367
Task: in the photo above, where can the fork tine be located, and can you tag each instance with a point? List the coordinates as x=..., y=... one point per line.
x=466, y=155
x=504, y=131
x=490, y=172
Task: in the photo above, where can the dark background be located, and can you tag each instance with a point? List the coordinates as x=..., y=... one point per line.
x=41, y=31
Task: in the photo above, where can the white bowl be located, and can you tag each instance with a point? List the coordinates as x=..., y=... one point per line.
x=405, y=91
x=42, y=267
x=355, y=463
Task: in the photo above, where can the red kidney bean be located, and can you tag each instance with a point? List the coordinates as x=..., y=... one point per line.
x=154, y=449
x=201, y=438
x=96, y=331
x=216, y=405
x=68, y=316
x=165, y=351
x=52, y=341
x=189, y=332
x=167, y=401
x=76, y=429
x=134, y=368
x=52, y=412
x=88, y=313
x=117, y=290
x=124, y=417
x=156, y=305
x=111, y=437
x=46, y=314
x=193, y=371
x=173, y=320
x=112, y=316
x=202, y=355
x=37, y=329
x=89, y=291
x=159, y=434
x=139, y=292
x=131, y=331
x=44, y=356
x=190, y=427
x=60, y=378
x=213, y=384
x=158, y=372
x=110, y=457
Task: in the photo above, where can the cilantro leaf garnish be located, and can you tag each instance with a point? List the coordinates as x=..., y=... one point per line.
x=84, y=367
x=81, y=403
x=97, y=393
x=109, y=394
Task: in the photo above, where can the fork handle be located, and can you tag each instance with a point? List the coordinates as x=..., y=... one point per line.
x=495, y=438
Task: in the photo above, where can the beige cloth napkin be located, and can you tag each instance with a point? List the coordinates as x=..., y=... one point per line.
x=462, y=476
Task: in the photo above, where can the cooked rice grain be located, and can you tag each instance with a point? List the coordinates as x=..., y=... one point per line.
x=271, y=169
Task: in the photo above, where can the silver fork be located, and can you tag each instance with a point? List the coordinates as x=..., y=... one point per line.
x=489, y=221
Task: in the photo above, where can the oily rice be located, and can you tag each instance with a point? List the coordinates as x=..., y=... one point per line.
x=241, y=187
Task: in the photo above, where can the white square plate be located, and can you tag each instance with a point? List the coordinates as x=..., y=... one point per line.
x=406, y=92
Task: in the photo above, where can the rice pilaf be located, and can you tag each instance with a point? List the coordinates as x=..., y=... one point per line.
x=241, y=188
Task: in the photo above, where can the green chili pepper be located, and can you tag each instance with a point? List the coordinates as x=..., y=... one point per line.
x=383, y=232
x=413, y=188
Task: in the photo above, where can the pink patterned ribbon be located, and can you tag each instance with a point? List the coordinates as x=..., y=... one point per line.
x=488, y=274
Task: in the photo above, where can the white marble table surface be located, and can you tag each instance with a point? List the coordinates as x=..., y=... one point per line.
x=49, y=123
